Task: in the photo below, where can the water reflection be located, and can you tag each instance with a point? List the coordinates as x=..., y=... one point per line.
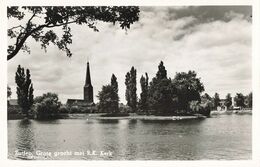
x=108, y=121
x=25, y=142
x=213, y=138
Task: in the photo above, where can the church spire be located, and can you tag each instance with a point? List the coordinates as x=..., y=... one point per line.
x=88, y=79
x=88, y=89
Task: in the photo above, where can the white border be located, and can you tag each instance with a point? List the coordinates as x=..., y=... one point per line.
x=255, y=82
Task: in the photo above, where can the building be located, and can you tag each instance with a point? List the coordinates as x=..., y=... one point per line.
x=13, y=109
x=87, y=104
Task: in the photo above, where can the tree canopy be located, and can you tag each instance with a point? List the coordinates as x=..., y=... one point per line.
x=189, y=87
x=228, y=101
x=47, y=105
x=108, y=97
x=216, y=100
x=41, y=21
x=162, y=93
x=239, y=100
x=143, y=102
x=24, y=89
x=130, y=93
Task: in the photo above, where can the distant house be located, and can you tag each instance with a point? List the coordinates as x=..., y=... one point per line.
x=79, y=102
x=13, y=106
x=12, y=102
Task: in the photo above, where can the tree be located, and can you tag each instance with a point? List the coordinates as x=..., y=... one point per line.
x=47, y=106
x=195, y=106
x=207, y=102
x=228, y=101
x=108, y=97
x=143, y=102
x=189, y=88
x=162, y=73
x=240, y=100
x=216, y=100
x=114, y=94
x=250, y=100
x=205, y=97
x=24, y=90
x=130, y=94
x=9, y=92
x=42, y=20
x=114, y=83
x=161, y=93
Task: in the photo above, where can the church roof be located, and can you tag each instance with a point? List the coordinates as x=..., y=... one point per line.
x=79, y=102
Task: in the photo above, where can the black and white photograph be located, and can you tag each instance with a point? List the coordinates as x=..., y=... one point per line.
x=129, y=82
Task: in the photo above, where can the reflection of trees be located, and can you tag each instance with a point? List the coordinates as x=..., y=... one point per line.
x=25, y=137
x=108, y=121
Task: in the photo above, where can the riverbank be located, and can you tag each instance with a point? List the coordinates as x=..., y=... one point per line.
x=99, y=116
x=228, y=112
x=133, y=116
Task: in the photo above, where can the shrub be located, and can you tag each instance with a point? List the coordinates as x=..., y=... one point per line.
x=47, y=106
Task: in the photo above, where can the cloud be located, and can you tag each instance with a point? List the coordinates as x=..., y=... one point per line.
x=217, y=48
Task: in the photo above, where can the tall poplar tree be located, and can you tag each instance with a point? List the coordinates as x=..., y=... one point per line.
x=130, y=95
x=143, y=103
x=24, y=90
x=114, y=94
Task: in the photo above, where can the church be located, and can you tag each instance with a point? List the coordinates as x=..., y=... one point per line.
x=87, y=104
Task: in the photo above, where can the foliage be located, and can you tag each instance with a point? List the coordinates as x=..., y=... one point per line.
x=108, y=97
x=205, y=97
x=114, y=94
x=200, y=108
x=228, y=101
x=143, y=102
x=161, y=93
x=47, y=105
x=114, y=83
x=250, y=100
x=161, y=73
x=240, y=100
x=24, y=90
x=64, y=109
x=195, y=106
x=188, y=88
x=9, y=92
x=42, y=20
x=130, y=94
x=75, y=109
x=216, y=100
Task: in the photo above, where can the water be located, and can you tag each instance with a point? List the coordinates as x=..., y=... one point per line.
x=223, y=137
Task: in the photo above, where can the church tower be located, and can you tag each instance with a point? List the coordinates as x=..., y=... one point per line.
x=88, y=89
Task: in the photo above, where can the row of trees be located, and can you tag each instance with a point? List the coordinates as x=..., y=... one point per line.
x=166, y=96
x=240, y=100
x=161, y=96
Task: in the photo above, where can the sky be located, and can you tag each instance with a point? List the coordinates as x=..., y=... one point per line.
x=215, y=41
